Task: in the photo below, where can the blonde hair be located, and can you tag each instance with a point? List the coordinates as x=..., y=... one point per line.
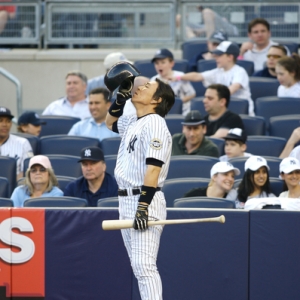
x=52, y=181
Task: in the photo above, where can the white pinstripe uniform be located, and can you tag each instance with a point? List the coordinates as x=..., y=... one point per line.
x=146, y=137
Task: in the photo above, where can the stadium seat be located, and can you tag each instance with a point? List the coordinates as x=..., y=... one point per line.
x=220, y=143
x=193, y=48
x=5, y=202
x=293, y=47
x=262, y=87
x=8, y=170
x=63, y=181
x=65, y=165
x=176, y=108
x=191, y=166
x=56, y=202
x=177, y=187
x=203, y=202
x=110, y=161
x=283, y=126
x=254, y=125
x=174, y=123
x=32, y=139
x=57, y=124
x=66, y=144
x=199, y=88
x=4, y=187
x=108, y=202
x=110, y=146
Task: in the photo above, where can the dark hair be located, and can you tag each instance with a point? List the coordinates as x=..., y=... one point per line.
x=165, y=92
x=222, y=90
x=246, y=187
x=237, y=141
x=284, y=186
x=257, y=21
x=102, y=91
x=291, y=64
x=280, y=47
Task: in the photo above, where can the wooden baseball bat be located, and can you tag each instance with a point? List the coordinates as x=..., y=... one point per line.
x=123, y=224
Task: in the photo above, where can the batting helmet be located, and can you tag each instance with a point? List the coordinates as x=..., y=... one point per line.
x=121, y=75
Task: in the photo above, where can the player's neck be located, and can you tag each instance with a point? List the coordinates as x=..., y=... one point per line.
x=144, y=110
x=3, y=139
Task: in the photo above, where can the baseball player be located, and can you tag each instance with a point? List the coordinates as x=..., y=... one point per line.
x=142, y=167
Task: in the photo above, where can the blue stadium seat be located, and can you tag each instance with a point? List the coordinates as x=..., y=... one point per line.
x=174, y=123
x=203, y=202
x=110, y=146
x=63, y=181
x=220, y=143
x=247, y=65
x=66, y=144
x=176, y=108
x=8, y=170
x=283, y=126
x=110, y=161
x=57, y=124
x=32, y=139
x=56, y=202
x=293, y=47
x=199, y=88
x=177, y=187
x=4, y=187
x=193, y=48
x=5, y=202
x=191, y=166
x=254, y=125
x=108, y=202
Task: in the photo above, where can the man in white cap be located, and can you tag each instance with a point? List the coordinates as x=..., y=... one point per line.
x=109, y=61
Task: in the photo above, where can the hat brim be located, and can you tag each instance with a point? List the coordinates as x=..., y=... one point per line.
x=160, y=57
x=8, y=116
x=258, y=167
x=88, y=158
x=290, y=169
x=234, y=137
x=193, y=123
x=217, y=52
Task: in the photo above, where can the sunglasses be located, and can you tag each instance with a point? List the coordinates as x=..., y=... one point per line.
x=273, y=56
x=35, y=170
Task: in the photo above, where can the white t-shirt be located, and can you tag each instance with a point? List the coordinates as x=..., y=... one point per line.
x=181, y=89
x=295, y=153
x=236, y=74
x=292, y=91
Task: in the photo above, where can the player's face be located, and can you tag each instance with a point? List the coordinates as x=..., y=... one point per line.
x=272, y=57
x=144, y=93
x=93, y=170
x=291, y=179
x=5, y=126
x=163, y=66
x=138, y=81
x=211, y=102
x=260, y=35
x=32, y=129
x=98, y=107
x=234, y=149
x=284, y=77
x=225, y=180
x=75, y=88
x=38, y=175
x=194, y=134
x=260, y=177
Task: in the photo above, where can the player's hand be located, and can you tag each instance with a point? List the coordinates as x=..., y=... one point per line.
x=122, y=96
x=141, y=217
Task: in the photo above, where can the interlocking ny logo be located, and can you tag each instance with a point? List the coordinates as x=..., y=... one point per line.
x=87, y=152
x=131, y=144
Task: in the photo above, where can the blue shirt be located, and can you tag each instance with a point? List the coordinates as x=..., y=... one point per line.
x=21, y=193
x=79, y=188
x=263, y=73
x=90, y=128
x=93, y=83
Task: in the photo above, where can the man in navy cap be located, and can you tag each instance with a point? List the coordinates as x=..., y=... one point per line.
x=95, y=183
x=30, y=122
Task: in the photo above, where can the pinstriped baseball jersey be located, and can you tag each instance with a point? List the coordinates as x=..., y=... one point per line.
x=146, y=137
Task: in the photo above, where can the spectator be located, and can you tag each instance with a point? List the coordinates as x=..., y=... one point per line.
x=219, y=119
x=192, y=140
x=95, y=183
x=40, y=181
x=255, y=182
x=288, y=74
x=95, y=125
x=75, y=104
x=221, y=183
x=235, y=144
x=30, y=122
x=289, y=149
x=6, y=13
x=109, y=61
x=164, y=62
x=227, y=73
x=274, y=54
x=12, y=145
x=256, y=50
x=289, y=169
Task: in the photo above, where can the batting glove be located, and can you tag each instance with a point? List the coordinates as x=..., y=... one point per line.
x=122, y=97
x=141, y=217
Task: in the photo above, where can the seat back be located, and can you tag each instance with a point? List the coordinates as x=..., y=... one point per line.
x=108, y=202
x=193, y=48
x=32, y=139
x=110, y=146
x=174, y=123
x=57, y=124
x=4, y=187
x=176, y=108
x=247, y=65
x=63, y=181
x=8, y=170
x=177, y=187
x=110, y=161
x=199, y=88
x=5, y=202
x=203, y=202
x=220, y=143
x=66, y=144
x=254, y=125
x=56, y=202
x=283, y=126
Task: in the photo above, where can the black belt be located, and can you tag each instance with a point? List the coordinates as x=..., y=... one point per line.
x=133, y=191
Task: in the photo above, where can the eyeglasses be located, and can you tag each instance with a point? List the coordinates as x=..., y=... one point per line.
x=273, y=56
x=35, y=170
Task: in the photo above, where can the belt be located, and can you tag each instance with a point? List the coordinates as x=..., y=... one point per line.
x=129, y=192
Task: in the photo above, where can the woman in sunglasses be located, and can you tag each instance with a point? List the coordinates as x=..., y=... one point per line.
x=40, y=181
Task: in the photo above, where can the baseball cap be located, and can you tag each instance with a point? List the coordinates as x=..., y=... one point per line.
x=5, y=112
x=162, y=53
x=30, y=117
x=289, y=164
x=254, y=162
x=114, y=58
x=227, y=47
x=40, y=160
x=218, y=36
x=91, y=153
x=193, y=118
x=223, y=167
x=236, y=134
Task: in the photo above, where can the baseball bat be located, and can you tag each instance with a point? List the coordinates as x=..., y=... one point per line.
x=123, y=224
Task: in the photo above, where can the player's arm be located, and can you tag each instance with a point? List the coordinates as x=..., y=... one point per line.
x=292, y=141
x=191, y=76
x=234, y=87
